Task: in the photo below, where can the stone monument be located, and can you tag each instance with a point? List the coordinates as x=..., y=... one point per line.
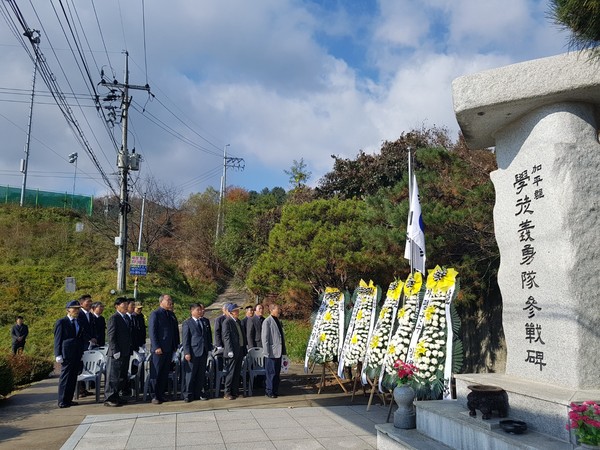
x=542, y=117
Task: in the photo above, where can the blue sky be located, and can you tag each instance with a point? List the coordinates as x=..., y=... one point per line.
x=278, y=80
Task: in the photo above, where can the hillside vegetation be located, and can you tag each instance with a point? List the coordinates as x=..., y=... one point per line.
x=40, y=247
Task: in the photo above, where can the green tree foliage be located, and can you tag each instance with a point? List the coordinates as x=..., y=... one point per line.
x=316, y=244
x=366, y=174
x=582, y=17
x=298, y=174
x=249, y=218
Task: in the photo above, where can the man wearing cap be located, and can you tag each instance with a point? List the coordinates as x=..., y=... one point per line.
x=164, y=340
x=273, y=349
x=234, y=349
x=68, y=349
x=119, y=351
x=197, y=342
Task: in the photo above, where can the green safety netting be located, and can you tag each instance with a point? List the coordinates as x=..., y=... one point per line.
x=46, y=199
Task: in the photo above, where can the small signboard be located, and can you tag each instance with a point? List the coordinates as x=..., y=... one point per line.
x=139, y=263
x=70, y=285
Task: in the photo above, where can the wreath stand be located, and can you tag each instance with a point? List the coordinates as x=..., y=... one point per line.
x=328, y=366
x=356, y=379
x=374, y=390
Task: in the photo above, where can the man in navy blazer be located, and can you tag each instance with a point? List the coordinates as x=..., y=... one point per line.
x=164, y=340
x=68, y=349
x=197, y=342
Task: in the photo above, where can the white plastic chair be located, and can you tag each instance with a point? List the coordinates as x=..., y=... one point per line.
x=255, y=366
x=93, y=368
x=135, y=372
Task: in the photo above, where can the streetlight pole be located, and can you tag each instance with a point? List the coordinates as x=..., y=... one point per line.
x=73, y=160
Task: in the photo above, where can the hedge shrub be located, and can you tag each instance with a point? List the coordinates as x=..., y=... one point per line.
x=27, y=368
x=6, y=376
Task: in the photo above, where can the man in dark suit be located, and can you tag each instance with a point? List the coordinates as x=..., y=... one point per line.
x=18, y=334
x=87, y=320
x=98, y=310
x=68, y=349
x=254, y=327
x=119, y=351
x=234, y=350
x=140, y=321
x=164, y=340
x=273, y=349
x=249, y=313
x=197, y=342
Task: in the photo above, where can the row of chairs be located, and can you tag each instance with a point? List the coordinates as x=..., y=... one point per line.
x=94, y=370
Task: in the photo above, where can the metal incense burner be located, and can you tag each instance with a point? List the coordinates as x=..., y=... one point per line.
x=487, y=399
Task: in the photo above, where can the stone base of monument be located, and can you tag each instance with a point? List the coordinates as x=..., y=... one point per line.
x=446, y=424
x=544, y=407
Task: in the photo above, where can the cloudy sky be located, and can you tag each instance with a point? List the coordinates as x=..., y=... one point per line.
x=277, y=80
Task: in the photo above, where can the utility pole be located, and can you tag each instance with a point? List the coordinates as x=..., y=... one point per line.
x=34, y=38
x=125, y=163
x=233, y=163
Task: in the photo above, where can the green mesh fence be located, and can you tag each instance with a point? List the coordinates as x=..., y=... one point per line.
x=46, y=199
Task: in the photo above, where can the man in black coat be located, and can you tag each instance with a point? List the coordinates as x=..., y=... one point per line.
x=249, y=313
x=234, y=350
x=18, y=334
x=164, y=340
x=119, y=351
x=197, y=342
x=88, y=321
x=98, y=310
x=254, y=327
x=68, y=349
x=140, y=321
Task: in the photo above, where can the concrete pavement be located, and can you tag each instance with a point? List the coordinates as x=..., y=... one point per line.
x=298, y=419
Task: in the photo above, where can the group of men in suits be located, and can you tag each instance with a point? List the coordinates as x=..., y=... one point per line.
x=235, y=337
x=83, y=327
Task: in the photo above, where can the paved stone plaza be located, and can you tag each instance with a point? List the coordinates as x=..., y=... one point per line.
x=30, y=419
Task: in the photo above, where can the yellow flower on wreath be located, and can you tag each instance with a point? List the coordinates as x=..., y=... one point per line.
x=392, y=349
x=359, y=315
x=429, y=312
x=323, y=337
x=375, y=341
x=395, y=293
x=440, y=279
x=413, y=284
x=401, y=313
x=354, y=339
x=420, y=350
x=383, y=312
x=327, y=317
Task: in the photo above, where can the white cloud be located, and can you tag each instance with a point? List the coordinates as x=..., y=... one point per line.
x=272, y=78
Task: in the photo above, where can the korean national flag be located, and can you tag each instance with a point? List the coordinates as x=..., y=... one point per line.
x=415, y=232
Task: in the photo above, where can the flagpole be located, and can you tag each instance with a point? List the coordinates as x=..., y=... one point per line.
x=410, y=188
